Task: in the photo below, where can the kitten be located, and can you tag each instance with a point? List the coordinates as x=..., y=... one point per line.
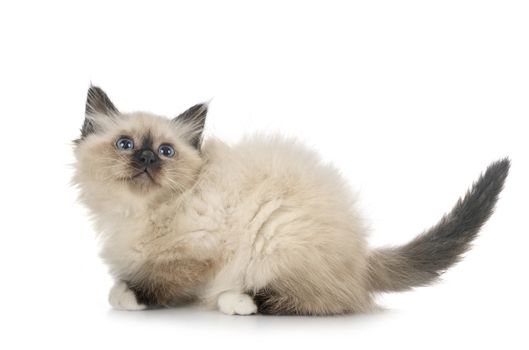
x=261, y=226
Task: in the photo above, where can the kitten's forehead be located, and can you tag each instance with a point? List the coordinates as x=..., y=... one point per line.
x=148, y=128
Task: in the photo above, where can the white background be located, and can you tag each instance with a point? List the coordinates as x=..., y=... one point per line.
x=411, y=99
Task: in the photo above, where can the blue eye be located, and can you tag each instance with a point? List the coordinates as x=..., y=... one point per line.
x=124, y=143
x=166, y=150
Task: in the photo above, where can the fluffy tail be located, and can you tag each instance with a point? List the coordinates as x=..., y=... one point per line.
x=425, y=258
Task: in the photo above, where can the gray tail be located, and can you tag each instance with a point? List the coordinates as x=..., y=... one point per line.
x=425, y=258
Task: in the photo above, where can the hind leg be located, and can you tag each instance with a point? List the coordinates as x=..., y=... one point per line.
x=309, y=281
x=306, y=295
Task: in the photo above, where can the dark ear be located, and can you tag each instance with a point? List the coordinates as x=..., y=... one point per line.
x=97, y=102
x=194, y=118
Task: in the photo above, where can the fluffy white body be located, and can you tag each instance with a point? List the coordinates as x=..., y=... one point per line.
x=259, y=210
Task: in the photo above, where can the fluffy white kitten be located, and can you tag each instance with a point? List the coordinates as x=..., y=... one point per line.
x=261, y=226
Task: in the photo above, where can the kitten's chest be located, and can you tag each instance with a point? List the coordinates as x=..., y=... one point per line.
x=168, y=234
x=122, y=247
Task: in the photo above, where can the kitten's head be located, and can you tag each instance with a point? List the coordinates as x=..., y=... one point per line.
x=137, y=153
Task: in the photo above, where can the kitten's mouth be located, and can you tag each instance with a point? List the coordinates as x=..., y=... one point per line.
x=144, y=174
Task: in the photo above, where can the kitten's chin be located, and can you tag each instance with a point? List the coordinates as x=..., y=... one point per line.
x=143, y=181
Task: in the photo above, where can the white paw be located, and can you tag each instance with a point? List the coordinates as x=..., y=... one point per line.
x=233, y=303
x=122, y=298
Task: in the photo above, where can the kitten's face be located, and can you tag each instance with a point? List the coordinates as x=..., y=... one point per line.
x=137, y=152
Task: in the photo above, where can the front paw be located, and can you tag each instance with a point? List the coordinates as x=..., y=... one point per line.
x=233, y=303
x=122, y=298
